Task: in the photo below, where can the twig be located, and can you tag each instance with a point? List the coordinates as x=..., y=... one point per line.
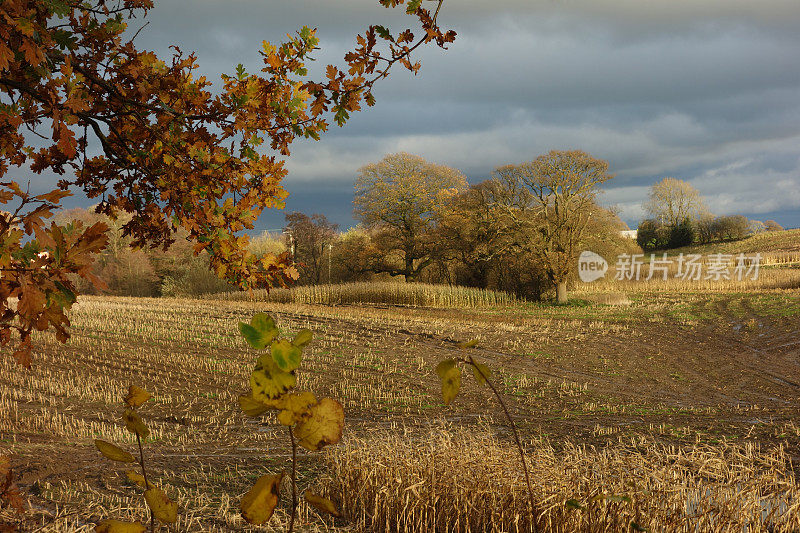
x=474, y=365
x=146, y=483
x=294, y=481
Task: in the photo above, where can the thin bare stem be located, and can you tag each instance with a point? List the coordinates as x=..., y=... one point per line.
x=474, y=365
x=294, y=481
x=146, y=483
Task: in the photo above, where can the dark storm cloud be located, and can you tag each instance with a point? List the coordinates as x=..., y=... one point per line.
x=704, y=90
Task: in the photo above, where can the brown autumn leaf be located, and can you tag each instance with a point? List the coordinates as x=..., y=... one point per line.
x=135, y=477
x=321, y=503
x=251, y=406
x=481, y=372
x=188, y=172
x=450, y=376
x=323, y=426
x=296, y=407
x=9, y=491
x=134, y=424
x=136, y=396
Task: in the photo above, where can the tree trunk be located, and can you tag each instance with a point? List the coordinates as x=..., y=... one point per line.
x=561, y=292
x=409, y=270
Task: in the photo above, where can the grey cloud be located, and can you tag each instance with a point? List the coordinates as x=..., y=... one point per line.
x=703, y=90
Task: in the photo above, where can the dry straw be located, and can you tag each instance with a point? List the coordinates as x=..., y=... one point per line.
x=469, y=481
x=387, y=293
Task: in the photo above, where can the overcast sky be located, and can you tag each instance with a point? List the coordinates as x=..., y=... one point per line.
x=703, y=90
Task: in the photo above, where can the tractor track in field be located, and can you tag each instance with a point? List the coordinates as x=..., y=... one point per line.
x=724, y=362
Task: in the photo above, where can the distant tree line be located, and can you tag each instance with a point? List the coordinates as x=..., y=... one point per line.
x=679, y=217
x=127, y=271
x=520, y=231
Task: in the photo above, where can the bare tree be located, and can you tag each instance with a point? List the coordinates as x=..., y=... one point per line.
x=672, y=201
x=311, y=237
x=401, y=198
x=561, y=188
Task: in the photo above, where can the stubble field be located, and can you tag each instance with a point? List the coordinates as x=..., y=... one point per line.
x=677, y=410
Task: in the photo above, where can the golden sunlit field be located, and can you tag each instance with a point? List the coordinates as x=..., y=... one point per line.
x=222, y=312
x=669, y=410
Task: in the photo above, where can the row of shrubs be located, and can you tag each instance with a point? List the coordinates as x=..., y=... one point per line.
x=343, y=258
x=654, y=235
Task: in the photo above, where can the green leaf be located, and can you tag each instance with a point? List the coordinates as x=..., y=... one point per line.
x=57, y=7
x=413, y=5
x=574, y=504
x=383, y=32
x=450, y=375
x=341, y=116
x=260, y=332
x=241, y=73
x=286, y=355
x=637, y=527
x=65, y=39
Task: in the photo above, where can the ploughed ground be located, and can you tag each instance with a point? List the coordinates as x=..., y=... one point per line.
x=684, y=369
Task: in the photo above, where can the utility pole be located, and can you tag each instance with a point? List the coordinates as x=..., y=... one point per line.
x=291, y=243
x=330, y=248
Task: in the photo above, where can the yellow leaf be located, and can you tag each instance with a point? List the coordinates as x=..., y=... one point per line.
x=250, y=406
x=321, y=503
x=163, y=508
x=113, y=452
x=302, y=338
x=260, y=501
x=268, y=381
x=134, y=423
x=137, y=478
x=468, y=344
x=481, y=372
x=323, y=427
x=296, y=407
x=136, y=396
x=116, y=526
x=450, y=375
